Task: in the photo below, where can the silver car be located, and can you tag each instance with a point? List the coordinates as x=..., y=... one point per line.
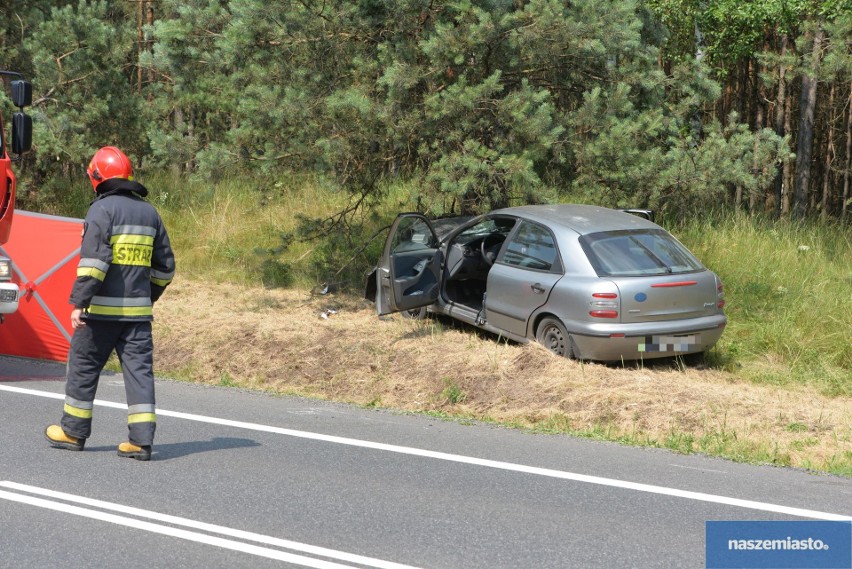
x=586, y=282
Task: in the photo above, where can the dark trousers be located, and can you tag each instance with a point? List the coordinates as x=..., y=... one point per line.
x=91, y=346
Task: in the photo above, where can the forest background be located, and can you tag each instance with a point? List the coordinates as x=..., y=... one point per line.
x=678, y=105
x=280, y=138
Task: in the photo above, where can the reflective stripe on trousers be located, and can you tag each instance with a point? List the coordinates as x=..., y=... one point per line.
x=144, y=413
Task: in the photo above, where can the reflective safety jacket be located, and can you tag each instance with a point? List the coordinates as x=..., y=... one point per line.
x=126, y=260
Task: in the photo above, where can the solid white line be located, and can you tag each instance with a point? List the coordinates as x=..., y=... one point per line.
x=202, y=526
x=598, y=480
x=174, y=532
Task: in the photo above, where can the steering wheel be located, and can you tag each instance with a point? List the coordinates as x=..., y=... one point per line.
x=490, y=246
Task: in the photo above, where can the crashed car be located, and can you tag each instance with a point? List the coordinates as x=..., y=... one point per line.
x=586, y=282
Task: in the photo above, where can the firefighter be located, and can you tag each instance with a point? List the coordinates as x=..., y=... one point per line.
x=126, y=262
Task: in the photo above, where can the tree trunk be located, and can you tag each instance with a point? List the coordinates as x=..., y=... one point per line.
x=742, y=89
x=139, y=39
x=149, y=44
x=806, y=128
x=847, y=172
x=780, y=106
x=760, y=97
x=787, y=175
x=725, y=103
x=829, y=154
x=699, y=58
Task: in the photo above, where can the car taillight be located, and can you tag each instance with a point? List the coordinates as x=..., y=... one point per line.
x=720, y=294
x=604, y=305
x=604, y=313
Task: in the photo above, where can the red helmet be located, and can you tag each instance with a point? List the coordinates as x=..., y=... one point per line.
x=109, y=162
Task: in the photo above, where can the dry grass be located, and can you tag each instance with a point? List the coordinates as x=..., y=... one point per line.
x=277, y=340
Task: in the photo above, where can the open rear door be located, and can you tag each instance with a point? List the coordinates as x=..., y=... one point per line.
x=409, y=272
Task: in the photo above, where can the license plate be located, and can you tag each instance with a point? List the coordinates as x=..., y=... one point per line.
x=669, y=343
x=8, y=295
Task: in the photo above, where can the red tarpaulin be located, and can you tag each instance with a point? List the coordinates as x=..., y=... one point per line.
x=44, y=250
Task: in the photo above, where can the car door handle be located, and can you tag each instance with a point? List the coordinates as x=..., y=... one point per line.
x=537, y=288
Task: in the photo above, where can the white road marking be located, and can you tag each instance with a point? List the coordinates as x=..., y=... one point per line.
x=589, y=479
x=697, y=468
x=190, y=535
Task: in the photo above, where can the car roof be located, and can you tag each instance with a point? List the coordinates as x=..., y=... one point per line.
x=583, y=219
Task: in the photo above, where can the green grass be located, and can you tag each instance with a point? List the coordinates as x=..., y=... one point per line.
x=249, y=232
x=788, y=288
x=452, y=394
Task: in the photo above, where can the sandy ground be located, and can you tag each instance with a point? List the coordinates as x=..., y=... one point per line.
x=336, y=348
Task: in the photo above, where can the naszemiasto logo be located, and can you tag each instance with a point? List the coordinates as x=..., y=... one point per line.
x=788, y=544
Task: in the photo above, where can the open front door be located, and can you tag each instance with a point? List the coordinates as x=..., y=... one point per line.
x=409, y=271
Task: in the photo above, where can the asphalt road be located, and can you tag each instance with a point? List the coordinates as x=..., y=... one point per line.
x=241, y=479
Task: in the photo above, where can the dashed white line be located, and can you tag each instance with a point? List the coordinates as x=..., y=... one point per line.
x=499, y=465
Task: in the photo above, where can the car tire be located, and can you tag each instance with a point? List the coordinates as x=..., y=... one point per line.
x=414, y=313
x=551, y=334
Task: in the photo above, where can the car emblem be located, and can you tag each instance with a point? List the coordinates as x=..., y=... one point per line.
x=640, y=297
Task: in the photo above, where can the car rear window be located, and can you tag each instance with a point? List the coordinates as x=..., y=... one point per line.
x=638, y=253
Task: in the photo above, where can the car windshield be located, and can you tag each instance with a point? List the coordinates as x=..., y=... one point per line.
x=638, y=253
x=489, y=226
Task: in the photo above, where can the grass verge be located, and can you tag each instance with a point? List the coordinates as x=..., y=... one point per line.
x=334, y=347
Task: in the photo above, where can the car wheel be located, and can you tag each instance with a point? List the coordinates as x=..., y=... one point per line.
x=552, y=335
x=415, y=313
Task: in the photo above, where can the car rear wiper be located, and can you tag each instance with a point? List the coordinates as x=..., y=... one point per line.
x=653, y=256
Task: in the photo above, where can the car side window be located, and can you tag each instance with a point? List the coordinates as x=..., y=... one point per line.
x=532, y=247
x=412, y=234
